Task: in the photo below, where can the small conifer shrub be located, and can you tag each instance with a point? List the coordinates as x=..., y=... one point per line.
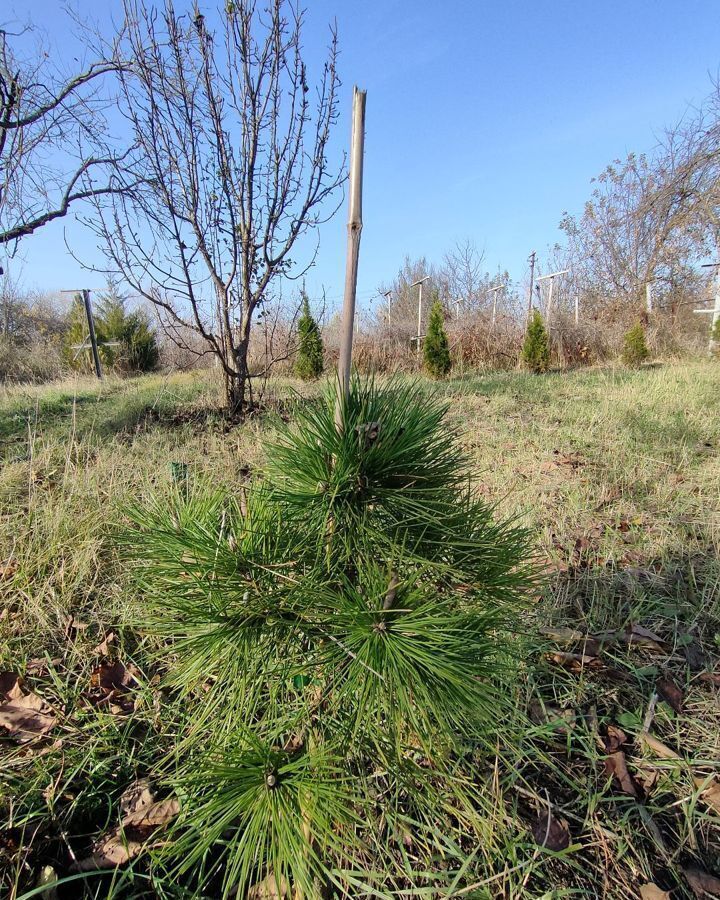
x=436, y=349
x=309, y=363
x=536, y=348
x=341, y=638
x=635, y=349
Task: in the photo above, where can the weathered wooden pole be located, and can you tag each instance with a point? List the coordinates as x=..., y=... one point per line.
x=357, y=150
x=532, y=286
x=91, y=329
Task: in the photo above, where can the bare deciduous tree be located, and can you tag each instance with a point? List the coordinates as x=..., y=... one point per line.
x=651, y=218
x=52, y=154
x=231, y=172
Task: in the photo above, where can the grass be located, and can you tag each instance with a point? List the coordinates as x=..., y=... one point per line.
x=617, y=474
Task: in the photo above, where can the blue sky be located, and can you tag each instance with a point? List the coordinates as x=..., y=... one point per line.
x=485, y=120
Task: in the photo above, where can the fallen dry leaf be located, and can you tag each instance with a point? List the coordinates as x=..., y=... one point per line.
x=710, y=678
x=703, y=884
x=643, y=637
x=136, y=796
x=103, y=648
x=616, y=765
x=143, y=816
x=73, y=626
x=652, y=743
x=647, y=776
x=575, y=662
x=616, y=737
x=670, y=692
x=24, y=716
x=651, y=891
x=10, y=686
x=152, y=816
x=41, y=667
x=113, y=676
x=8, y=569
x=268, y=889
x=111, y=683
x=709, y=791
x=551, y=832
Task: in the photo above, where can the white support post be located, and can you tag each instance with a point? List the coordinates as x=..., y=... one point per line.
x=417, y=345
x=494, y=291
x=551, y=277
x=549, y=302
x=419, y=283
x=715, y=311
x=387, y=297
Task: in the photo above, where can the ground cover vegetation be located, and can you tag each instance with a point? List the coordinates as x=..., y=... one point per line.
x=600, y=781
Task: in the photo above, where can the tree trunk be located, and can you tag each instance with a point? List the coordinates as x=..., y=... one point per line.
x=237, y=383
x=235, y=394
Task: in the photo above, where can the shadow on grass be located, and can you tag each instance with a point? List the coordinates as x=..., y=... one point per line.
x=625, y=652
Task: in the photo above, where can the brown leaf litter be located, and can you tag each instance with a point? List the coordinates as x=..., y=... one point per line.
x=142, y=817
x=24, y=715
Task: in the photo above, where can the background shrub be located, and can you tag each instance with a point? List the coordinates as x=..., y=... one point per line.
x=536, y=348
x=309, y=363
x=635, y=349
x=436, y=349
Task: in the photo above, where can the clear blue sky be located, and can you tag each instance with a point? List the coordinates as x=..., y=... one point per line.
x=485, y=120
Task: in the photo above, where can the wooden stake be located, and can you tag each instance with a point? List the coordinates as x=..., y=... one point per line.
x=91, y=329
x=357, y=150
